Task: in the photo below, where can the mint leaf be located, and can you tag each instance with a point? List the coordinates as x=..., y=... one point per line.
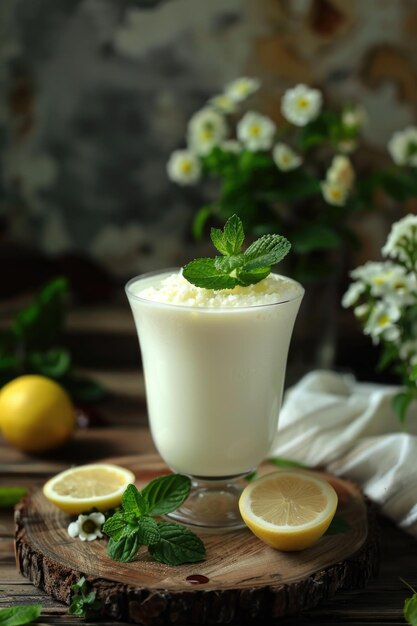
x=410, y=610
x=246, y=278
x=265, y=251
x=18, y=615
x=166, y=493
x=203, y=273
x=281, y=462
x=177, y=545
x=125, y=548
x=229, y=240
x=84, y=603
x=148, y=531
x=228, y=263
x=133, y=502
x=116, y=526
x=9, y=496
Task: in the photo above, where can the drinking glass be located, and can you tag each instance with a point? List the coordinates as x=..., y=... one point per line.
x=214, y=379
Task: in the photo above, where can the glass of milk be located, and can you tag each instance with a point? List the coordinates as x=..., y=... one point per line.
x=214, y=365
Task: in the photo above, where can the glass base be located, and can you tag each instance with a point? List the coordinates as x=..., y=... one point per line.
x=212, y=504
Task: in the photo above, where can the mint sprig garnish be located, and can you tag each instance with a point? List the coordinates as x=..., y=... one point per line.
x=134, y=525
x=236, y=267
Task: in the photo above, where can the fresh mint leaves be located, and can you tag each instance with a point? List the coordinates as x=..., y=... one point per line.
x=235, y=267
x=410, y=606
x=83, y=601
x=9, y=496
x=19, y=615
x=134, y=526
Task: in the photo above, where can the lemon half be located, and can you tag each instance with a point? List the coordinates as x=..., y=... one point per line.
x=79, y=489
x=288, y=509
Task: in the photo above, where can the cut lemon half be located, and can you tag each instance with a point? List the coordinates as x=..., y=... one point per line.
x=79, y=489
x=288, y=509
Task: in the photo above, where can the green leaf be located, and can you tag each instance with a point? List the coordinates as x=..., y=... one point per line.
x=148, y=531
x=410, y=610
x=229, y=240
x=251, y=278
x=413, y=373
x=203, y=273
x=228, y=263
x=80, y=585
x=200, y=221
x=9, y=496
x=388, y=355
x=18, y=615
x=133, y=502
x=177, y=545
x=83, y=389
x=116, y=526
x=266, y=251
x=53, y=363
x=400, y=404
x=315, y=237
x=166, y=493
x=281, y=462
x=125, y=548
x=338, y=525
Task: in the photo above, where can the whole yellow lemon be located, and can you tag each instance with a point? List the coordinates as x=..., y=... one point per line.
x=36, y=414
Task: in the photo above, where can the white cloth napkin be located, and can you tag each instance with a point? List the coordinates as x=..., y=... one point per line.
x=330, y=419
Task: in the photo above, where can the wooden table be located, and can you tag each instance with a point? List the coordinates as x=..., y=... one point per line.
x=124, y=431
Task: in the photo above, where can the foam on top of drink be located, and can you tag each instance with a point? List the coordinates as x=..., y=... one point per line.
x=175, y=289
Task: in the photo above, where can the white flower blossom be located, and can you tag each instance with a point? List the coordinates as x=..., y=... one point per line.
x=402, y=239
x=353, y=294
x=242, y=88
x=223, y=103
x=362, y=310
x=381, y=322
x=231, y=145
x=206, y=130
x=334, y=193
x=408, y=351
x=354, y=117
x=184, y=167
x=389, y=281
x=341, y=171
x=403, y=146
x=256, y=131
x=87, y=527
x=285, y=158
x=301, y=105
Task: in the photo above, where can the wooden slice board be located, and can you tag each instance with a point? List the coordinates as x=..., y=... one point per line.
x=248, y=581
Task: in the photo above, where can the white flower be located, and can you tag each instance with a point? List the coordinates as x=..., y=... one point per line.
x=403, y=234
x=334, y=193
x=341, y=171
x=408, y=351
x=256, y=131
x=361, y=311
x=285, y=158
x=242, y=88
x=403, y=146
x=184, y=167
x=353, y=293
x=231, y=145
x=206, y=129
x=301, y=105
x=223, y=103
x=87, y=527
x=354, y=117
x=381, y=322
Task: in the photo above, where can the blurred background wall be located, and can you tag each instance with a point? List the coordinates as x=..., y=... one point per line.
x=95, y=94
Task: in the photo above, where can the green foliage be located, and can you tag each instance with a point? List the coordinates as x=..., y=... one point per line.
x=19, y=615
x=234, y=267
x=32, y=344
x=410, y=606
x=9, y=496
x=338, y=526
x=134, y=525
x=281, y=462
x=400, y=403
x=83, y=602
x=311, y=237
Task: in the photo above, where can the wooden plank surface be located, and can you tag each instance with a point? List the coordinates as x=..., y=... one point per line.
x=124, y=433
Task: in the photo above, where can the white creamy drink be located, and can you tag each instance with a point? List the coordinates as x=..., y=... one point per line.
x=214, y=364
